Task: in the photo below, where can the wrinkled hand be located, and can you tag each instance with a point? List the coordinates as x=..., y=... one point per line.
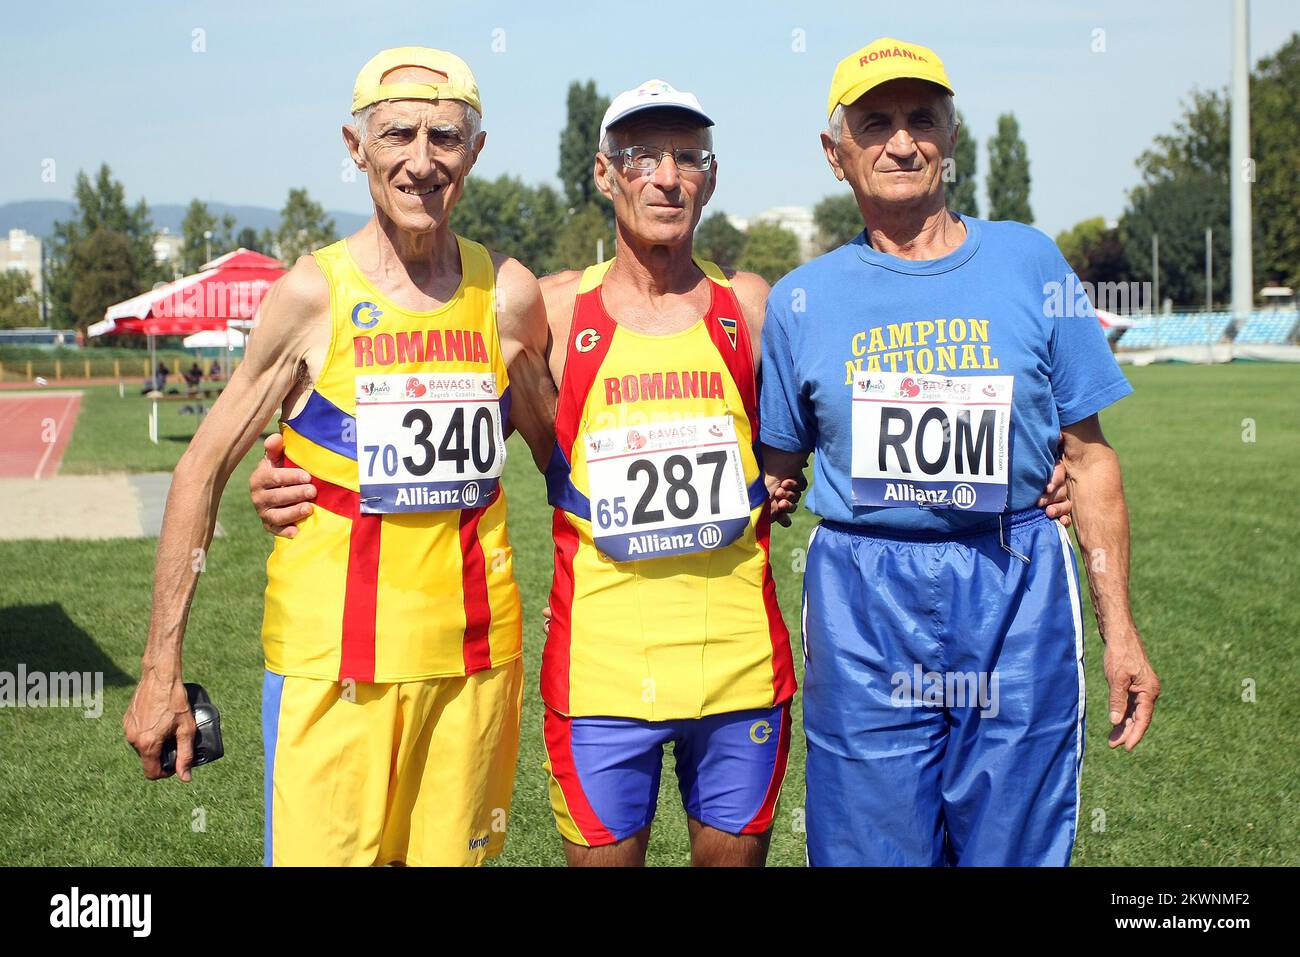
x=282, y=496
x=160, y=710
x=784, y=500
x=1134, y=689
x=1056, y=497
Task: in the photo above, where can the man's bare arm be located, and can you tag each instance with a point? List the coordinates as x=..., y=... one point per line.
x=272, y=363
x=751, y=291
x=559, y=293
x=521, y=324
x=1101, y=523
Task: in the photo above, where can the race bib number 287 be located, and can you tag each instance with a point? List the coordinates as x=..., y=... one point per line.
x=931, y=441
x=428, y=442
x=666, y=489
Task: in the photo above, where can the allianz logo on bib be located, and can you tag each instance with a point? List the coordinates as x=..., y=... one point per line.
x=961, y=495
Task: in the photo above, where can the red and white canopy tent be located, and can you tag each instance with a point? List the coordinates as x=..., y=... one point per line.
x=1111, y=320
x=225, y=294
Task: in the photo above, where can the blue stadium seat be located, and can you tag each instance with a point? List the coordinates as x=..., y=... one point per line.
x=1178, y=329
x=1268, y=328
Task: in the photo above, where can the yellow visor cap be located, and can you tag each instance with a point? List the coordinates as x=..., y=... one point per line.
x=459, y=85
x=879, y=62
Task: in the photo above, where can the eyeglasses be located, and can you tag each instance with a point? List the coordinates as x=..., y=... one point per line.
x=646, y=159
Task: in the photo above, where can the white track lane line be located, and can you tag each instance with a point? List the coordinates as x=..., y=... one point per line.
x=58, y=431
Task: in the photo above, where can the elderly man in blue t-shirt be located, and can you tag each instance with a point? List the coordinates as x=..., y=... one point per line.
x=935, y=369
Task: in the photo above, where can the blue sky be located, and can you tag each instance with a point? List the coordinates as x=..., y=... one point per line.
x=260, y=110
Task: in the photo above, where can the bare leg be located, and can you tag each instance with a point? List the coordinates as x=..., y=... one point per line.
x=629, y=852
x=713, y=848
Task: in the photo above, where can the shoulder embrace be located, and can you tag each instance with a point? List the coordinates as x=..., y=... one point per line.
x=520, y=313
x=751, y=291
x=559, y=291
x=516, y=283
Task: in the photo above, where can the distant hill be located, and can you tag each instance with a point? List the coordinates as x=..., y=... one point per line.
x=37, y=216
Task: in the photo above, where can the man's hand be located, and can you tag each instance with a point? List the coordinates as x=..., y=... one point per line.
x=1134, y=689
x=281, y=496
x=160, y=710
x=785, y=499
x=1056, y=497
x=783, y=474
x=292, y=325
x=1097, y=488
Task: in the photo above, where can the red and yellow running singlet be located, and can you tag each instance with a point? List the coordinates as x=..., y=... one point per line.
x=663, y=601
x=403, y=570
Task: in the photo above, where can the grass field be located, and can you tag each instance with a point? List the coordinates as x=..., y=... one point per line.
x=1216, y=527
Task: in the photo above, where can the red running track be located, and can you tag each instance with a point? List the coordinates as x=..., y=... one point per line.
x=34, y=431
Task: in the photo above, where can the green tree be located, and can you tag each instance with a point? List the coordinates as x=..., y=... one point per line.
x=1094, y=251
x=1199, y=141
x=1184, y=190
x=1275, y=130
x=961, y=189
x=1186, y=186
x=19, y=304
x=1179, y=209
x=101, y=207
x=248, y=239
x=508, y=216
x=1008, y=179
x=578, y=142
x=196, y=249
x=770, y=250
x=838, y=220
x=575, y=245
x=101, y=261
x=304, y=227
x=718, y=241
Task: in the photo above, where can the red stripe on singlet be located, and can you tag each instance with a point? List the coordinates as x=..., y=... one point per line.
x=357, y=653
x=478, y=611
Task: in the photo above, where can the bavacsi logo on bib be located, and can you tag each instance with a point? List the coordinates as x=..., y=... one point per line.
x=365, y=315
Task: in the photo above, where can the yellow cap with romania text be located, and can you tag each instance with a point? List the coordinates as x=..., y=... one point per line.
x=459, y=85
x=879, y=62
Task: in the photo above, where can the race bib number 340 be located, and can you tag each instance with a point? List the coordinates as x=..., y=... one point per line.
x=428, y=442
x=931, y=441
x=666, y=489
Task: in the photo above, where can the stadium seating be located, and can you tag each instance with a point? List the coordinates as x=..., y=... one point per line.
x=1268, y=328
x=1177, y=329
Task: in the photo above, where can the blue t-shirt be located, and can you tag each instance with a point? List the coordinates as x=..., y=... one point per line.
x=1003, y=303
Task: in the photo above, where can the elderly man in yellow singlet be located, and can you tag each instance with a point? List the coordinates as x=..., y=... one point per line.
x=398, y=359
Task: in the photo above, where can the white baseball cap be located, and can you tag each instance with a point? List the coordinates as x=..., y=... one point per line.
x=649, y=95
